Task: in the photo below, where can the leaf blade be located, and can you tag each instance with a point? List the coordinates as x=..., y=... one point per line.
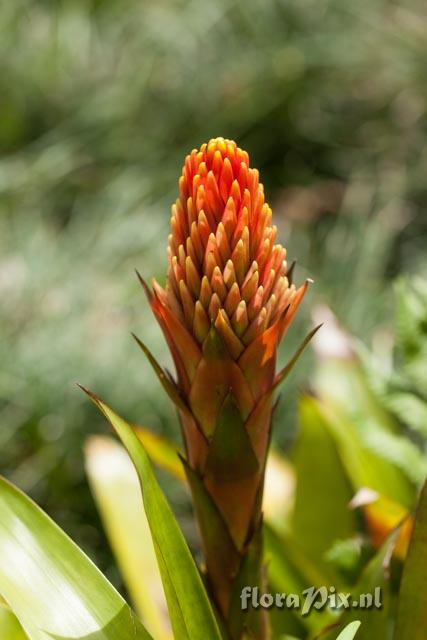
x=111, y=476
x=50, y=585
x=191, y=614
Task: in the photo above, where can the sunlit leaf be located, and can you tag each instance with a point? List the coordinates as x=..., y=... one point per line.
x=347, y=389
x=163, y=453
x=189, y=607
x=321, y=513
x=363, y=467
x=116, y=489
x=350, y=631
x=279, y=490
x=52, y=587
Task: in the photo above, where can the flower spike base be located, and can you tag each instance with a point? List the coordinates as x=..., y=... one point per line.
x=227, y=303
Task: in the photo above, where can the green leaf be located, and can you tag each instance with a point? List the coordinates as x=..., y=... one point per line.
x=283, y=374
x=348, y=392
x=112, y=476
x=411, y=305
x=412, y=611
x=363, y=467
x=54, y=590
x=321, y=513
x=398, y=450
x=350, y=631
x=161, y=452
x=410, y=409
x=191, y=614
x=167, y=384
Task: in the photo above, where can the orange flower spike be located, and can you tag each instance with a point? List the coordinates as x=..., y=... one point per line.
x=226, y=305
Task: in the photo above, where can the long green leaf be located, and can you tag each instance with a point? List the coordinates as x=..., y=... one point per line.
x=321, y=514
x=191, y=614
x=117, y=493
x=355, y=414
x=412, y=611
x=52, y=587
x=364, y=467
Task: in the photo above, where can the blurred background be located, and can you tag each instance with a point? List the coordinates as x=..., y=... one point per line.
x=101, y=100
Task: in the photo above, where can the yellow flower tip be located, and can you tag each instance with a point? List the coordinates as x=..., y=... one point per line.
x=224, y=328
x=232, y=300
x=201, y=322
x=240, y=319
x=214, y=306
x=229, y=274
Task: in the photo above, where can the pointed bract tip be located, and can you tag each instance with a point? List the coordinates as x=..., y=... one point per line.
x=144, y=285
x=89, y=393
x=313, y=332
x=290, y=271
x=141, y=345
x=135, y=337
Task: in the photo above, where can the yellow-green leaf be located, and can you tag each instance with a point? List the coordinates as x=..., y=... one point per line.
x=321, y=513
x=117, y=493
x=163, y=453
x=54, y=590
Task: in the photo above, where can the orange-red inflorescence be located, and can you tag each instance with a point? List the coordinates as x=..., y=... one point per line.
x=224, y=265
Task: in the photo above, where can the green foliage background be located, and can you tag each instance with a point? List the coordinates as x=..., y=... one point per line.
x=100, y=101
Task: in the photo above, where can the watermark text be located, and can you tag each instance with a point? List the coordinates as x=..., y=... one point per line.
x=316, y=598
